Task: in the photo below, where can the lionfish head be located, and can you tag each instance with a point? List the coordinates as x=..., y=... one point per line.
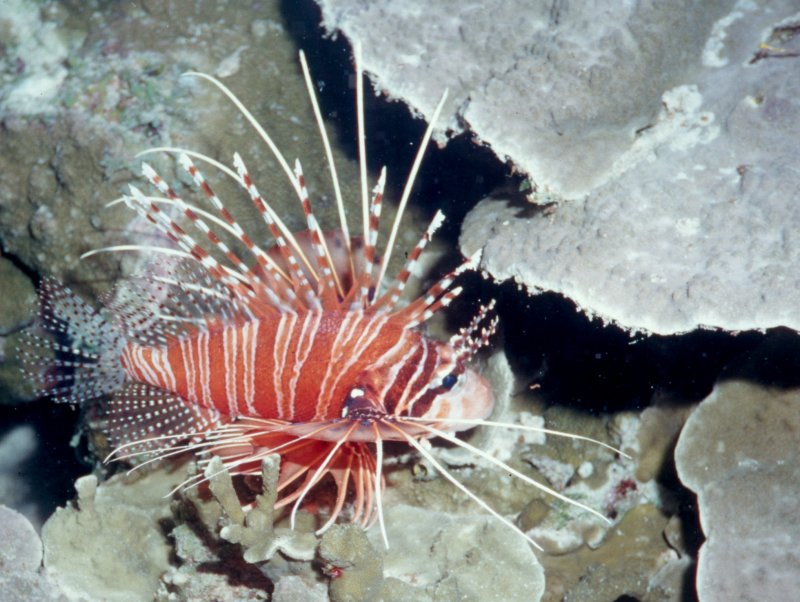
x=431, y=381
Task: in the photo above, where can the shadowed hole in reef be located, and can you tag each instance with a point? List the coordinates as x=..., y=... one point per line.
x=44, y=480
x=586, y=364
x=47, y=476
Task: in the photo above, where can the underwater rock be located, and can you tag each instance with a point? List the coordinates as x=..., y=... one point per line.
x=114, y=88
x=355, y=567
x=559, y=89
x=739, y=453
x=228, y=553
x=126, y=539
x=448, y=556
x=17, y=446
x=17, y=305
x=204, y=571
x=695, y=228
x=672, y=128
x=22, y=549
x=633, y=548
x=294, y=589
x=21, y=577
x=206, y=568
x=18, y=299
x=659, y=428
x=109, y=545
x=629, y=563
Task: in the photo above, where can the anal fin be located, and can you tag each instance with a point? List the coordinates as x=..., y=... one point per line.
x=141, y=418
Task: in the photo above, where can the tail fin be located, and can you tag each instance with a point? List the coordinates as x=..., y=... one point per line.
x=78, y=358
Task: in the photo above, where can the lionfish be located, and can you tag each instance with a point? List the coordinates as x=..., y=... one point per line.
x=300, y=351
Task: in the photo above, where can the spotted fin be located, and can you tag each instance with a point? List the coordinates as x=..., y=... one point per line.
x=141, y=418
x=72, y=354
x=167, y=301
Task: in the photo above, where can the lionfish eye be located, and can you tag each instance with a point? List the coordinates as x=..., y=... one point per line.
x=355, y=401
x=449, y=381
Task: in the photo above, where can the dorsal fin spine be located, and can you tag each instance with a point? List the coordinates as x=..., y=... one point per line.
x=295, y=271
x=329, y=286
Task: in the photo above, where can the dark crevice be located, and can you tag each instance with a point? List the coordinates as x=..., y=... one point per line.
x=31, y=274
x=584, y=363
x=50, y=472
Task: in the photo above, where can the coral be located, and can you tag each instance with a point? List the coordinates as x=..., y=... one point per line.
x=442, y=553
x=18, y=299
x=585, y=85
x=293, y=589
x=629, y=563
x=17, y=447
x=356, y=569
x=228, y=553
x=674, y=141
x=104, y=547
x=431, y=556
x=657, y=435
x=65, y=155
x=124, y=540
x=114, y=89
x=17, y=306
x=219, y=551
x=206, y=568
x=590, y=474
x=254, y=530
x=739, y=453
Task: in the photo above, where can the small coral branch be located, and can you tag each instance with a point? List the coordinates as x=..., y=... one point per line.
x=253, y=529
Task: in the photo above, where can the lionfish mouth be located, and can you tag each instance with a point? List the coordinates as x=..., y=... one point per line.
x=360, y=428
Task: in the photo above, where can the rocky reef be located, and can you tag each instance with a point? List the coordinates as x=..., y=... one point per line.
x=126, y=538
x=657, y=144
x=739, y=453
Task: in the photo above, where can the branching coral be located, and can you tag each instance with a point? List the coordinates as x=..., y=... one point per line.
x=254, y=530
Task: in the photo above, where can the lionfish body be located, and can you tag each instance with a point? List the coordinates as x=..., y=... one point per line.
x=311, y=366
x=299, y=351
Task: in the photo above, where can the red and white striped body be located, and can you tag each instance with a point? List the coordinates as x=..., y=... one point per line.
x=299, y=367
